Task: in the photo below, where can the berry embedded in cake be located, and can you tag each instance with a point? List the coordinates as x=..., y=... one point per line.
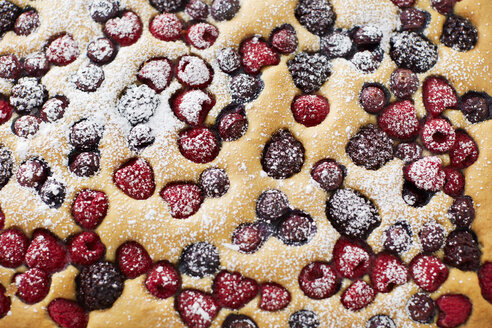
x=245, y=164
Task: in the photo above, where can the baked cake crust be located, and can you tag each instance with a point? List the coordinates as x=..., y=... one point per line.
x=149, y=222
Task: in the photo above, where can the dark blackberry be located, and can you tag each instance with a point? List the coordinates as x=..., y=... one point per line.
x=26, y=23
x=229, y=60
x=6, y=165
x=352, y=214
x=8, y=14
x=224, y=9
x=370, y=148
x=380, y=321
x=317, y=16
x=476, y=106
x=197, y=9
x=408, y=152
x=214, y=182
x=199, y=260
x=309, y=71
x=462, y=251
x=336, y=44
x=89, y=78
x=86, y=134
x=461, y=213
x=367, y=61
x=99, y=286
x=138, y=104
x=303, y=319
x=102, y=10
x=140, y=136
x=238, y=321
x=431, y=237
x=397, y=238
x=283, y=155
x=459, y=33
x=421, y=308
x=245, y=88
x=85, y=164
x=27, y=95
x=413, y=51
x=52, y=193
x=414, y=196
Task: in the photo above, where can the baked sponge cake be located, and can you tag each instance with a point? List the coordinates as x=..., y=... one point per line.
x=245, y=164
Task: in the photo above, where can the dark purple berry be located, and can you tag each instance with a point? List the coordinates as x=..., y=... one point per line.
x=229, y=60
x=52, y=193
x=367, y=35
x=214, y=182
x=249, y=237
x=86, y=134
x=397, y=238
x=6, y=165
x=36, y=64
x=283, y=155
x=413, y=19
x=224, y=9
x=461, y=213
x=199, y=260
x=89, y=78
x=85, y=164
x=443, y=7
x=336, y=44
x=245, y=88
x=380, y=321
x=370, y=148
x=413, y=51
x=232, y=126
x=304, y=319
x=167, y=5
x=197, y=9
x=238, y=321
x=373, y=99
x=138, y=103
x=408, y=152
x=462, y=251
x=53, y=109
x=317, y=16
x=431, y=237
x=102, y=10
x=475, y=107
x=404, y=83
x=284, y=39
x=32, y=173
x=352, y=214
x=272, y=205
x=28, y=94
x=10, y=67
x=297, y=229
x=328, y=173
x=309, y=71
x=414, y=196
x=140, y=136
x=367, y=61
x=8, y=14
x=101, y=51
x=99, y=286
x=27, y=22
x=26, y=126
x=421, y=308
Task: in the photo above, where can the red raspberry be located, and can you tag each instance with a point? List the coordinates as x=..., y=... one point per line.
x=428, y=272
x=194, y=72
x=310, y=110
x=89, y=208
x=464, y=152
x=273, y=297
x=249, y=237
x=156, y=73
x=26, y=126
x=192, y=106
x=13, y=247
x=133, y=259
x=256, y=54
x=202, y=35
x=36, y=64
x=163, y=280
x=26, y=23
x=455, y=182
x=438, y=135
x=32, y=285
x=351, y=260
x=373, y=99
x=284, y=40
x=485, y=280
x=63, y=50
x=358, y=295
x=166, y=27
x=399, y=120
x=136, y=179
x=318, y=280
x=45, y=252
x=124, y=30
x=438, y=95
x=86, y=248
x=232, y=126
x=426, y=173
x=5, y=111
x=10, y=67
x=196, y=308
x=67, y=314
x=403, y=3
x=387, y=272
x=454, y=310
x=328, y=173
x=54, y=109
x=4, y=302
x=184, y=199
x=199, y=145
x=232, y=290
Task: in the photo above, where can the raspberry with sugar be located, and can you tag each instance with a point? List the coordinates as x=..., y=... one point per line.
x=256, y=53
x=232, y=290
x=67, y=314
x=319, y=280
x=133, y=260
x=89, y=208
x=438, y=135
x=184, y=199
x=454, y=310
x=310, y=110
x=428, y=272
x=136, y=179
x=358, y=295
x=163, y=280
x=274, y=297
x=85, y=248
x=32, y=285
x=46, y=252
x=387, y=272
x=199, y=145
x=399, y=120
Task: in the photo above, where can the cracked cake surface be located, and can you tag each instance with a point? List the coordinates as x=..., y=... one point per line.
x=245, y=163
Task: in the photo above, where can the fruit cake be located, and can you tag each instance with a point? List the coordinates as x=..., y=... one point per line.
x=245, y=163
